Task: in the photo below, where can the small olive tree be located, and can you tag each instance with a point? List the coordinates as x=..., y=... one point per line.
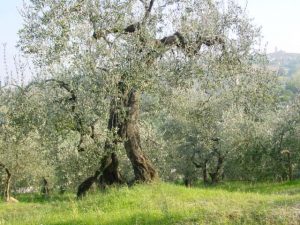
x=22, y=156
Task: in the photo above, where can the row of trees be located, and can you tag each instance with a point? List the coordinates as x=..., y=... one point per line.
x=167, y=88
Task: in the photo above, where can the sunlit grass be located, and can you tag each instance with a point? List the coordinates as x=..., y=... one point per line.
x=162, y=203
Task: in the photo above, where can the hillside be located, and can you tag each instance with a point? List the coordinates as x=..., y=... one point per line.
x=229, y=203
x=285, y=63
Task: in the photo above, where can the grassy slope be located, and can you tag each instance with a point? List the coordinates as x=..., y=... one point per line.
x=229, y=203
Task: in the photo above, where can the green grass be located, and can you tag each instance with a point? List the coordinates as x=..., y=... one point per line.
x=162, y=203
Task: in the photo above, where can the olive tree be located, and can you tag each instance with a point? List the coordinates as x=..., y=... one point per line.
x=208, y=121
x=114, y=51
x=22, y=156
x=285, y=143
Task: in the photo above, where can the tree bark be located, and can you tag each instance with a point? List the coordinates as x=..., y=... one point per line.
x=290, y=166
x=203, y=166
x=108, y=172
x=110, y=164
x=7, y=185
x=215, y=176
x=143, y=168
x=187, y=182
x=86, y=185
x=204, y=172
x=45, y=187
x=124, y=128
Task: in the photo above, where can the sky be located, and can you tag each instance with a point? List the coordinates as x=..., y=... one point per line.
x=280, y=21
x=10, y=22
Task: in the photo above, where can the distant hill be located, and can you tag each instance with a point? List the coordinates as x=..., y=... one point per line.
x=286, y=64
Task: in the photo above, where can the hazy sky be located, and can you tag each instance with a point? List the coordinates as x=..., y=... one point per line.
x=10, y=21
x=280, y=21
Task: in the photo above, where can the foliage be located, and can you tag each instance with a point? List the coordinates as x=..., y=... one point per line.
x=21, y=151
x=210, y=105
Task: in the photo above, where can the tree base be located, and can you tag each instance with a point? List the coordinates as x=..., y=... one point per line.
x=11, y=200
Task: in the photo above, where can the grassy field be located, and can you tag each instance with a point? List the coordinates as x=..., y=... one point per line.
x=162, y=203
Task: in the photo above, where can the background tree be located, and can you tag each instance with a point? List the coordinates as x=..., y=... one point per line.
x=22, y=156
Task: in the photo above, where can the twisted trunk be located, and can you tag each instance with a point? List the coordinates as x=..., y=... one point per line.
x=126, y=125
x=108, y=173
x=109, y=168
x=110, y=164
x=86, y=185
x=187, y=182
x=7, y=196
x=7, y=185
x=290, y=167
x=216, y=175
x=143, y=168
x=203, y=166
x=204, y=172
x=45, y=187
x=124, y=115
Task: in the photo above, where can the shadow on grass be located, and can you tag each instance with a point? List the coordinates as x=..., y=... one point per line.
x=38, y=198
x=200, y=217
x=145, y=219
x=284, y=188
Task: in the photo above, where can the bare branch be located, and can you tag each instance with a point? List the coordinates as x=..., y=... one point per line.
x=150, y=6
x=196, y=164
x=148, y=11
x=5, y=168
x=61, y=84
x=77, y=118
x=129, y=29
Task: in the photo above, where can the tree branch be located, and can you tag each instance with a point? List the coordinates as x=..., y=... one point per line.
x=196, y=164
x=5, y=168
x=77, y=118
x=148, y=11
x=61, y=84
x=177, y=39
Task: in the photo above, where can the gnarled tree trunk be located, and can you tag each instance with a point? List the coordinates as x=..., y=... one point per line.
x=110, y=164
x=7, y=185
x=216, y=175
x=126, y=125
x=203, y=166
x=187, y=182
x=7, y=196
x=45, y=187
x=86, y=185
x=108, y=173
x=204, y=172
x=143, y=169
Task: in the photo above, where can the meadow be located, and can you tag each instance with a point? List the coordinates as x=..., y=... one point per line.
x=162, y=203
